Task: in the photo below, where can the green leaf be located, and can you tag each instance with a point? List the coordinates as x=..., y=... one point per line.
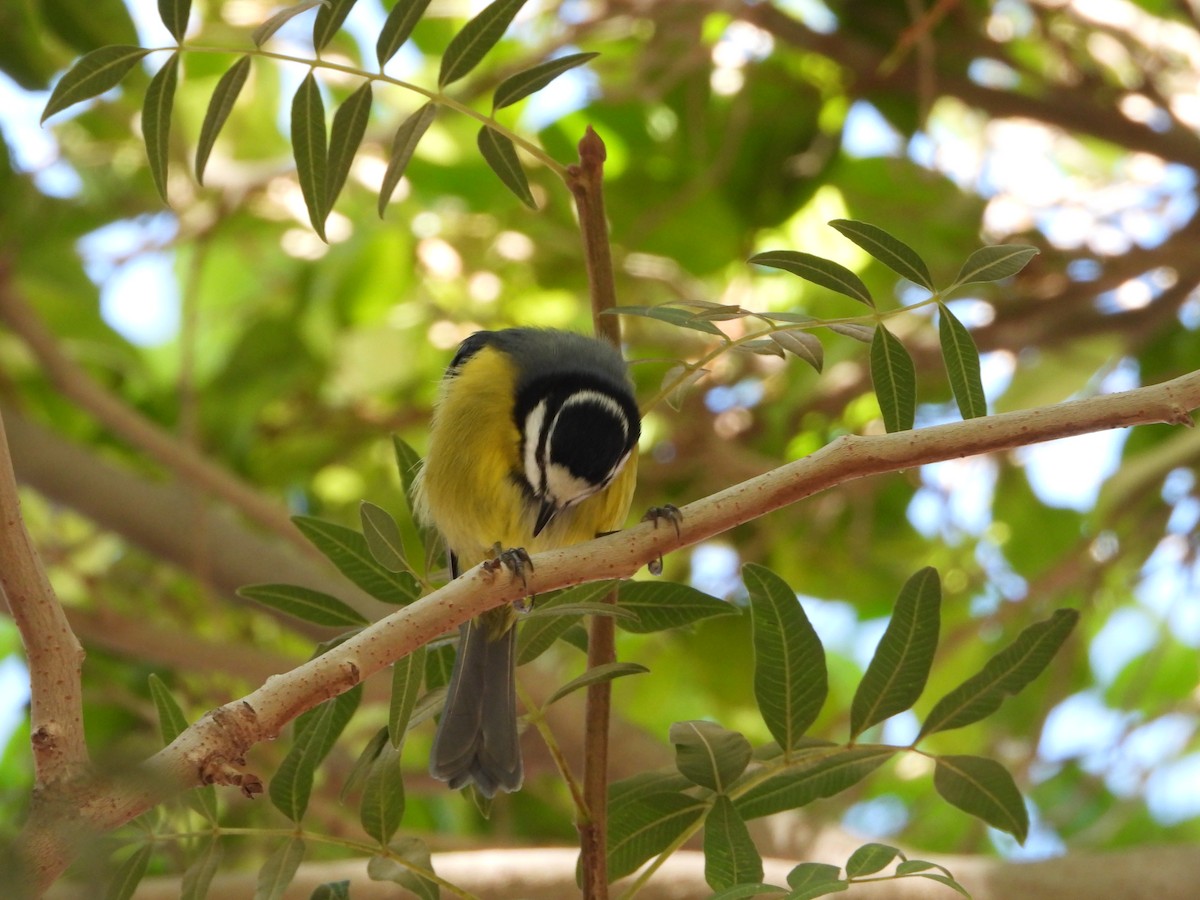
x=199, y=875
x=818, y=270
x=895, y=381
x=730, y=856
x=709, y=755
x=408, y=135
x=600, y=608
x=156, y=107
x=308, y=147
x=305, y=603
x=500, y=154
x=790, y=680
x=279, y=870
x=357, y=775
x=993, y=264
x=900, y=666
x=174, y=15
x=801, y=344
x=406, y=684
x=382, y=806
x=408, y=464
x=219, y=108
x=741, y=891
x=126, y=879
x=1005, y=674
x=645, y=826
x=869, y=859
x=962, y=364
x=332, y=890
x=530, y=81
x=397, y=28
x=263, y=32
x=347, y=549
x=983, y=788
x=316, y=733
x=407, y=865
x=660, y=605
x=891, y=251
x=811, y=879
x=538, y=633
x=674, y=315
x=171, y=721
x=477, y=37
x=596, y=675
x=653, y=781
x=330, y=17
x=349, y=126
x=92, y=75
x=864, y=334
x=383, y=536
x=948, y=881
x=831, y=774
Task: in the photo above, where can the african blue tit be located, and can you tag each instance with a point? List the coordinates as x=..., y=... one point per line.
x=532, y=446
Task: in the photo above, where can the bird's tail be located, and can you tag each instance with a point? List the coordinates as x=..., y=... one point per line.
x=476, y=738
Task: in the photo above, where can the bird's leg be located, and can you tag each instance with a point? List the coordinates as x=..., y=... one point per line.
x=656, y=514
x=516, y=560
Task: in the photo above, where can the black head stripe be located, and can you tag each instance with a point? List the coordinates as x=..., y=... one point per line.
x=590, y=436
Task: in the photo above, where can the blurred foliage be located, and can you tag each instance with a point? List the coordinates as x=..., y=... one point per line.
x=288, y=361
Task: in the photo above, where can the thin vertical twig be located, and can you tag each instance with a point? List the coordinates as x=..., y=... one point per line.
x=586, y=181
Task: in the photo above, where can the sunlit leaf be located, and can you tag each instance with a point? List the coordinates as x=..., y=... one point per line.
x=801, y=344
x=93, y=74
x=279, y=870
x=809, y=880
x=818, y=270
x=347, y=549
x=673, y=314
x=983, y=788
x=477, y=37
x=219, y=108
x=1005, y=674
x=994, y=263
x=871, y=858
x=730, y=856
x=833, y=772
x=895, y=381
x=596, y=675
x=790, y=680
x=383, y=536
x=349, y=126
x=404, y=144
x=864, y=334
x=330, y=17
x=660, y=605
x=174, y=15
x=305, y=603
x=519, y=86
x=406, y=685
x=198, y=876
x=708, y=754
x=500, y=154
x=263, y=32
x=126, y=879
x=382, y=807
x=397, y=28
x=406, y=864
x=889, y=250
x=962, y=364
x=645, y=826
x=310, y=151
x=900, y=665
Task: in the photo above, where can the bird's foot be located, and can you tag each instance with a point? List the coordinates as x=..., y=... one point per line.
x=515, y=559
x=656, y=514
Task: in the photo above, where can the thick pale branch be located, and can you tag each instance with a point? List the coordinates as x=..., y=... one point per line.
x=211, y=749
x=54, y=655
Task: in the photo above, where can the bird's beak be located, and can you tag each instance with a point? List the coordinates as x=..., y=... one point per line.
x=545, y=514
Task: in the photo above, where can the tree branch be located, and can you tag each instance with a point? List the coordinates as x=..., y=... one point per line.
x=212, y=749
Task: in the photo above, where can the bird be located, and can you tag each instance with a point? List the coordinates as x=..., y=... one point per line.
x=532, y=447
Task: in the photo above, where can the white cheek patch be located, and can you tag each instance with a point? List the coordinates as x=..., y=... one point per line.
x=533, y=434
x=566, y=489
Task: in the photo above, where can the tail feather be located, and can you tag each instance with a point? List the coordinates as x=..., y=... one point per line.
x=477, y=737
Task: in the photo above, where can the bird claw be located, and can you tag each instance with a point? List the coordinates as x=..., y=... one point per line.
x=666, y=512
x=656, y=514
x=515, y=559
